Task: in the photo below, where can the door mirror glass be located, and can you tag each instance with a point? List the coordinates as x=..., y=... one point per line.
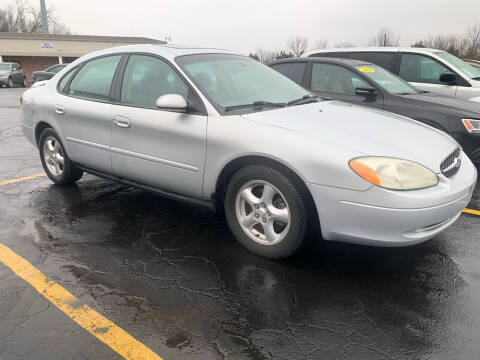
x=448, y=78
x=172, y=102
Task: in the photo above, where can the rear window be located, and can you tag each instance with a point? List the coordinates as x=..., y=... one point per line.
x=383, y=59
x=294, y=71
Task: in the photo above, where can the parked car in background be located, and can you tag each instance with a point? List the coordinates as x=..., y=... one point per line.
x=47, y=74
x=475, y=63
x=427, y=69
x=367, y=84
x=280, y=161
x=12, y=74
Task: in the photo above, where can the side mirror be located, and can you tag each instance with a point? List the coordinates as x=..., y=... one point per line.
x=172, y=102
x=448, y=78
x=369, y=93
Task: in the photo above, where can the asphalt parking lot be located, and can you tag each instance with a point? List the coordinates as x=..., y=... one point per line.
x=171, y=278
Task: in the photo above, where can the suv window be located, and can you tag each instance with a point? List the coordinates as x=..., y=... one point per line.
x=55, y=69
x=383, y=59
x=293, y=71
x=15, y=67
x=147, y=78
x=94, y=79
x=335, y=79
x=336, y=54
x=421, y=69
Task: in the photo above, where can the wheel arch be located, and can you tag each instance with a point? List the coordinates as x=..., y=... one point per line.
x=39, y=128
x=236, y=164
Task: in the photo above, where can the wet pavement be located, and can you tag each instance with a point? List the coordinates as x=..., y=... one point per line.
x=174, y=277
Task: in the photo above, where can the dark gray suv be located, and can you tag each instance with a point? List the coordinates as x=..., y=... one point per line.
x=12, y=74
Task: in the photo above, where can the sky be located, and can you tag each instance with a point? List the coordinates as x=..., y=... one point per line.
x=245, y=25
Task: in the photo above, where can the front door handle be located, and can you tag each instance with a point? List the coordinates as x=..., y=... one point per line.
x=121, y=121
x=59, y=109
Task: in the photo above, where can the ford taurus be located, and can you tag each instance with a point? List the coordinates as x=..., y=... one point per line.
x=219, y=129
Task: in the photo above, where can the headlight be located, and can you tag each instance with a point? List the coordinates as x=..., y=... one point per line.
x=3, y=75
x=392, y=173
x=472, y=125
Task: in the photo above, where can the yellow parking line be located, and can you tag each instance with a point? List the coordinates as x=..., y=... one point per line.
x=471, y=211
x=96, y=324
x=11, y=181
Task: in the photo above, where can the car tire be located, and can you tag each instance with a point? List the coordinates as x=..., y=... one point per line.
x=10, y=83
x=56, y=163
x=24, y=83
x=266, y=211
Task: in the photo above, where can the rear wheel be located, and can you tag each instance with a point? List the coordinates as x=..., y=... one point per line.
x=266, y=212
x=55, y=161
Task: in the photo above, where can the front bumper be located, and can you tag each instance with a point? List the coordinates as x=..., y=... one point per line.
x=384, y=217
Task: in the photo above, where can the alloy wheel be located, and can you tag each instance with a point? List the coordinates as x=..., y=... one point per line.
x=262, y=212
x=53, y=156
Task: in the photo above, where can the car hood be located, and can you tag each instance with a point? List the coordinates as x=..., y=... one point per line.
x=367, y=131
x=463, y=107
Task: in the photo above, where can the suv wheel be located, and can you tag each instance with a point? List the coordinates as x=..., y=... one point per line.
x=10, y=83
x=266, y=212
x=55, y=161
x=24, y=83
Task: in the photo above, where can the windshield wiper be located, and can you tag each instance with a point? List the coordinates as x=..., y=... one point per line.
x=255, y=104
x=304, y=100
x=476, y=78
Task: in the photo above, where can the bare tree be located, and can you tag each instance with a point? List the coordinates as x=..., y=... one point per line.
x=297, y=45
x=24, y=18
x=472, y=42
x=385, y=37
x=320, y=44
x=264, y=55
x=452, y=43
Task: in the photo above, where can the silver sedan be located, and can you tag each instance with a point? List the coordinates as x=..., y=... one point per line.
x=222, y=130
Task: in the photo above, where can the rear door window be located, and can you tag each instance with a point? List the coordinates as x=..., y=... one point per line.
x=94, y=79
x=294, y=71
x=421, y=69
x=383, y=59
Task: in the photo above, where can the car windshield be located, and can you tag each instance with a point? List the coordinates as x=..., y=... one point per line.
x=4, y=67
x=390, y=82
x=54, y=69
x=233, y=82
x=469, y=70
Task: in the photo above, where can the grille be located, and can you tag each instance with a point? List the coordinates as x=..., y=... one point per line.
x=451, y=164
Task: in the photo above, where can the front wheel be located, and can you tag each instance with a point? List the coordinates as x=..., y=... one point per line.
x=55, y=161
x=10, y=83
x=266, y=212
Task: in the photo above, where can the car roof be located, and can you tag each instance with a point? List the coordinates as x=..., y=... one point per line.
x=374, y=49
x=340, y=61
x=169, y=51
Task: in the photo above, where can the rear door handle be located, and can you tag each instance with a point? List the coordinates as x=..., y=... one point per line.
x=60, y=109
x=121, y=121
